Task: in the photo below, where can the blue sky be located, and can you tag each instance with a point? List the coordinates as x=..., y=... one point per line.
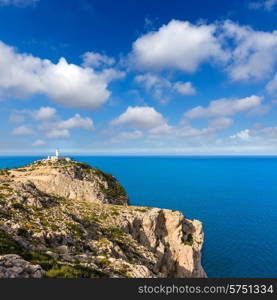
x=138, y=77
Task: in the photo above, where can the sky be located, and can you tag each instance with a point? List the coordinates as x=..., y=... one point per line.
x=138, y=77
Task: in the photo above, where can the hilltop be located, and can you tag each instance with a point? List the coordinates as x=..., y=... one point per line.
x=68, y=219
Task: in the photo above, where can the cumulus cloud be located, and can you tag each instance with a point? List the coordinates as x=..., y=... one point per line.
x=266, y=5
x=156, y=86
x=214, y=126
x=243, y=135
x=271, y=87
x=93, y=59
x=178, y=45
x=44, y=113
x=50, y=123
x=254, y=53
x=161, y=129
x=148, y=119
x=184, y=88
x=75, y=122
x=38, y=143
x=161, y=88
x=224, y=107
x=72, y=86
x=58, y=133
x=23, y=130
x=125, y=136
x=61, y=128
x=257, y=135
x=143, y=117
x=269, y=132
x=23, y=75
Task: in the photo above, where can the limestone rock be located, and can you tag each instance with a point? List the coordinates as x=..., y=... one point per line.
x=72, y=180
x=13, y=266
x=67, y=219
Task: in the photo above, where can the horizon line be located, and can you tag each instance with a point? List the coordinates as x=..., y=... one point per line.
x=140, y=155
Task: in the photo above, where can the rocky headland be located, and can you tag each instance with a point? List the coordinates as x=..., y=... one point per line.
x=67, y=219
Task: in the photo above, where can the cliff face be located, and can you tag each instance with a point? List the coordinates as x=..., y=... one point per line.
x=66, y=219
x=72, y=180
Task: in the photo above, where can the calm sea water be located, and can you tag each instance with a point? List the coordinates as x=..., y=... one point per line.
x=234, y=197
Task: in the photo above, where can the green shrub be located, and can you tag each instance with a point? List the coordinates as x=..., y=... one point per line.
x=142, y=209
x=21, y=170
x=18, y=206
x=76, y=230
x=113, y=231
x=40, y=258
x=93, y=219
x=8, y=245
x=5, y=215
x=65, y=271
x=54, y=227
x=4, y=172
x=23, y=232
x=189, y=240
x=84, y=165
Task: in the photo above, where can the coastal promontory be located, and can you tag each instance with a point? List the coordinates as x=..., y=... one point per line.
x=67, y=219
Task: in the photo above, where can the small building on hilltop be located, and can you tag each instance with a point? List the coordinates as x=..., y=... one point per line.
x=58, y=156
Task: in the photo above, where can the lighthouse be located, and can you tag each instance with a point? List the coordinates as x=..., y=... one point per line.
x=57, y=153
x=58, y=156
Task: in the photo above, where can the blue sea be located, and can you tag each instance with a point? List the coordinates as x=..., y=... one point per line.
x=234, y=197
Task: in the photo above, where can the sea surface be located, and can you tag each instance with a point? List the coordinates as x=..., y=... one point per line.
x=234, y=197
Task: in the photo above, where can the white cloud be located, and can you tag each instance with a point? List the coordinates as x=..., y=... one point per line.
x=243, y=135
x=225, y=107
x=58, y=133
x=75, y=122
x=178, y=45
x=157, y=86
x=93, y=59
x=111, y=74
x=219, y=124
x=18, y=2
x=23, y=75
x=270, y=132
x=214, y=126
x=266, y=5
x=184, y=46
x=254, y=53
x=161, y=129
x=184, y=88
x=72, y=86
x=161, y=88
x=38, y=143
x=61, y=129
x=51, y=125
x=44, y=113
x=23, y=130
x=272, y=86
x=143, y=117
x=125, y=136
x=154, y=123
x=258, y=135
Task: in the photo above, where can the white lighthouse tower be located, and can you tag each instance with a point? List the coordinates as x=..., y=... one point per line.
x=57, y=153
x=58, y=156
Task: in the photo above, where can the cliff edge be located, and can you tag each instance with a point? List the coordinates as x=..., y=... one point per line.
x=67, y=219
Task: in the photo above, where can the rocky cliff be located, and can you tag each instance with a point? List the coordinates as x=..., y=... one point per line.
x=67, y=219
